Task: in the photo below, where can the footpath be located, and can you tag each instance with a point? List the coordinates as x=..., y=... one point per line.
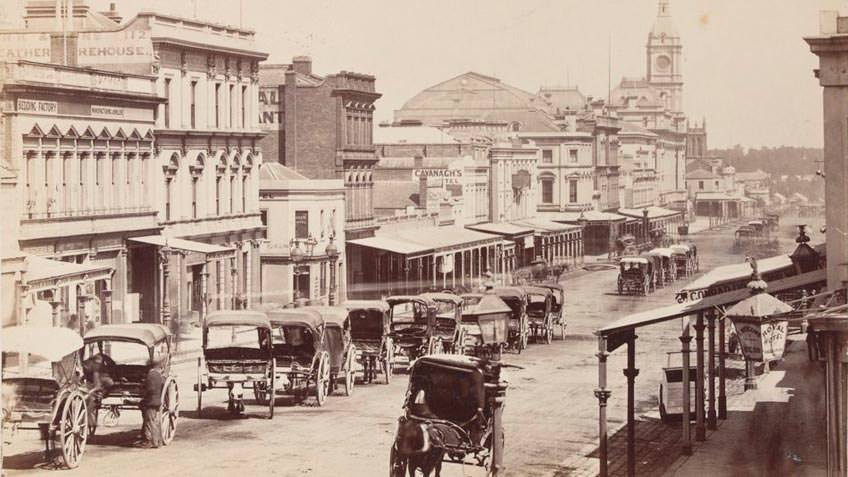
x=776, y=429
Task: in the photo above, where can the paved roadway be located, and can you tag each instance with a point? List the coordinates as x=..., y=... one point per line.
x=550, y=414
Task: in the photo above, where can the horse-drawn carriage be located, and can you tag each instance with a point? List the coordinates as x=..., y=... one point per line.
x=413, y=326
x=557, y=306
x=236, y=354
x=301, y=356
x=338, y=342
x=448, y=317
x=370, y=327
x=516, y=299
x=539, y=319
x=745, y=237
x=42, y=389
x=664, y=267
x=117, y=359
x=485, y=323
x=452, y=414
x=681, y=254
x=626, y=245
x=635, y=276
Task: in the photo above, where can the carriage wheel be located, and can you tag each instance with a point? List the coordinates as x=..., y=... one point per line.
x=549, y=333
x=620, y=287
x=322, y=380
x=170, y=410
x=73, y=429
x=272, y=397
x=397, y=464
x=350, y=375
x=388, y=364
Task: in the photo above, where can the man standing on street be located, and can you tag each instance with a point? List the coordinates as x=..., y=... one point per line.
x=151, y=401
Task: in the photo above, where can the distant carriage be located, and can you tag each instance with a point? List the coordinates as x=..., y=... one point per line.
x=516, y=299
x=340, y=346
x=557, y=306
x=626, y=245
x=448, y=317
x=635, y=276
x=370, y=327
x=413, y=326
x=42, y=390
x=682, y=256
x=539, y=319
x=667, y=270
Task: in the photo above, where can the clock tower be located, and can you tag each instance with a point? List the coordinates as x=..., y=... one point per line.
x=664, y=57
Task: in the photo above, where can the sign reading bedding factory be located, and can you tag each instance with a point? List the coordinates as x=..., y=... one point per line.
x=449, y=176
x=35, y=106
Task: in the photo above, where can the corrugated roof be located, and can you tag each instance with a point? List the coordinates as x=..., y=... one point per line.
x=278, y=172
x=391, y=244
x=544, y=225
x=653, y=212
x=502, y=228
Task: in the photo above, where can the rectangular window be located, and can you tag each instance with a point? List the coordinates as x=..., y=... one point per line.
x=232, y=193
x=232, y=106
x=572, y=155
x=217, y=105
x=244, y=193
x=700, y=185
x=193, y=108
x=547, y=156
x=218, y=195
x=547, y=191
x=168, y=199
x=572, y=191
x=323, y=278
x=263, y=216
x=301, y=224
x=167, y=102
x=194, y=197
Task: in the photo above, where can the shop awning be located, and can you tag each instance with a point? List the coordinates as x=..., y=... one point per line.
x=591, y=216
x=659, y=315
x=653, y=212
x=716, y=196
x=43, y=273
x=541, y=225
x=447, y=238
x=183, y=244
x=737, y=271
x=504, y=228
x=390, y=244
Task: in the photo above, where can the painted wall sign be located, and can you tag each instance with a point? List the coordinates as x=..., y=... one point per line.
x=40, y=107
x=25, y=46
x=125, y=47
x=107, y=111
x=269, y=107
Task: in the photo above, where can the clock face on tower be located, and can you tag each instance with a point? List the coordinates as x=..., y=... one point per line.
x=662, y=62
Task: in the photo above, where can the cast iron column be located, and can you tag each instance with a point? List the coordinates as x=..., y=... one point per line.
x=631, y=372
x=722, y=397
x=711, y=412
x=700, y=429
x=602, y=394
x=685, y=339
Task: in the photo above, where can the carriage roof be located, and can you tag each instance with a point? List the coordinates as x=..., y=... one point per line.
x=679, y=248
x=366, y=305
x=308, y=317
x=469, y=363
x=536, y=290
x=332, y=315
x=511, y=292
x=443, y=297
x=488, y=304
x=147, y=334
x=662, y=252
x=237, y=318
x=552, y=286
x=51, y=343
x=641, y=260
x=398, y=299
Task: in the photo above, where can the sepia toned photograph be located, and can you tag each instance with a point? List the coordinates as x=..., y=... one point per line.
x=442, y=238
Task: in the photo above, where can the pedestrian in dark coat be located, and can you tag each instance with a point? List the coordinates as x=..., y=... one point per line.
x=151, y=402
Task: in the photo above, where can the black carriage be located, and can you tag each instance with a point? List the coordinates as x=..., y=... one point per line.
x=745, y=237
x=117, y=359
x=42, y=390
x=626, y=245
x=635, y=276
x=485, y=321
x=302, y=361
x=236, y=354
x=452, y=414
x=516, y=299
x=448, y=317
x=557, y=306
x=413, y=326
x=370, y=327
x=539, y=304
x=339, y=344
x=682, y=256
x=667, y=271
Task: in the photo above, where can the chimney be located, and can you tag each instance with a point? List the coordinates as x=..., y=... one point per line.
x=112, y=14
x=302, y=65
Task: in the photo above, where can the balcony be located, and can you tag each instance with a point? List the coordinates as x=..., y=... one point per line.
x=30, y=72
x=44, y=225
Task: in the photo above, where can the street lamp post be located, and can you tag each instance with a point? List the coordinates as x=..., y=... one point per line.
x=332, y=252
x=296, y=254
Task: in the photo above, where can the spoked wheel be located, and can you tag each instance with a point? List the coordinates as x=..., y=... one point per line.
x=322, y=379
x=271, y=389
x=397, y=464
x=350, y=375
x=388, y=365
x=73, y=429
x=170, y=410
x=549, y=334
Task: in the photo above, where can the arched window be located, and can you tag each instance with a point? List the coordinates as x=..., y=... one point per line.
x=246, y=183
x=196, y=171
x=235, y=167
x=220, y=172
x=170, y=176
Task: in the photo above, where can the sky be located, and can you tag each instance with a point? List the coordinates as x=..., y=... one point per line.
x=746, y=68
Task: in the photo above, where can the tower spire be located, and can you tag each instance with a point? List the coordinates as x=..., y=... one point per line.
x=663, y=9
